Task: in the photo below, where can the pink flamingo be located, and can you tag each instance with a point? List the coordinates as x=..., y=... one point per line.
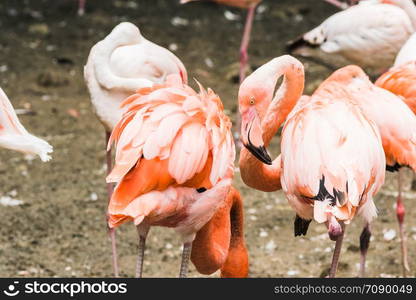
x=174, y=162
x=369, y=34
x=401, y=80
x=332, y=161
x=117, y=66
x=15, y=137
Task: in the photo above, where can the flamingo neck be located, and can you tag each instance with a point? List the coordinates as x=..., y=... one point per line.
x=255, y=173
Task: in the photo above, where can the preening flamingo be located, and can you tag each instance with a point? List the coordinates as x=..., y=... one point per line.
x=117, y=66
x=401, y=80
x=369, y=34
x=15, y=137
x=174, y=162
x=332, y=161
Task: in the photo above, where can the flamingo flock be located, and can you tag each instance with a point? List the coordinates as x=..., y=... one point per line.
x=174, y=160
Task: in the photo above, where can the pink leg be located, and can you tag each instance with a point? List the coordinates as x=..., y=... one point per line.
x=337, y=252
x=81, y=7
x=142, y=231
x=110, y=189
x=244, y=61
x=400, y=211
x=245, y=42
x=186, y=254
x=337, y=3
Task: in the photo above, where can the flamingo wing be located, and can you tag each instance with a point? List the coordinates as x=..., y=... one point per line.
x=332, y=158
x=165, y=140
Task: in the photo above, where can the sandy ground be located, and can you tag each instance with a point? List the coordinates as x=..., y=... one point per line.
x=60, y=230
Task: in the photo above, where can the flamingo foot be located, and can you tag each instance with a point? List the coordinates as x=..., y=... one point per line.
x=186, y=254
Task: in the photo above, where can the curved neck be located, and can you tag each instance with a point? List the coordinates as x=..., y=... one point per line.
x=255, y=173
x=104, y=73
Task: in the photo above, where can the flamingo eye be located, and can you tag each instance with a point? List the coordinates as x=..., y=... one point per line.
x=252, y=100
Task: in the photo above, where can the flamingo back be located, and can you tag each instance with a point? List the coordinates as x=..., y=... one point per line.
x=332, y=157
x=401, y=81
x=170, y=138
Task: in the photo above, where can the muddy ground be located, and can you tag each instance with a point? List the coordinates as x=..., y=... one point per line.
x=60, y=229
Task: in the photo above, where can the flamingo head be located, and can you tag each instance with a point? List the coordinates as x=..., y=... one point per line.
x=253, y=103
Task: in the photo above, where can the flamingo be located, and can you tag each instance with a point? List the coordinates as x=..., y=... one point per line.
x=369, y=34
x=332, y=161
x=15, y=137
x=400, y=80
x=174, y=162
x=117, y=66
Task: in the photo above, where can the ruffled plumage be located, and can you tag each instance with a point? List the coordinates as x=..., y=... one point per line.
x=169, y=137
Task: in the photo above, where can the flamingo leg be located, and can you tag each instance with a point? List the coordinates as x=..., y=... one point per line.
x=337, y=252
x=244, y=61
x=400, y=211
x=364, y=244
x=81, y=7
x=337, y=3
x=186, y=254
x=142, y=230
x=110, y=189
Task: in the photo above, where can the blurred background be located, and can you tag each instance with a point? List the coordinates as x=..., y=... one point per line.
x=52, y=215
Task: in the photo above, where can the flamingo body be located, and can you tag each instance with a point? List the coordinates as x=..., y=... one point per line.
x=400, y=81
x=122, y=63
x=332, y=154
x=369, y=34
x=174, y=158
x=15, y=137
x=395, y=121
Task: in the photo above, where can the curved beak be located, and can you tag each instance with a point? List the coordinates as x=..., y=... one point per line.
x=252, y=135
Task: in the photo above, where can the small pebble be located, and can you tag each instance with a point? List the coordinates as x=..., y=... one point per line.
x=178, y=21
x=389, y=234
x=173, y=47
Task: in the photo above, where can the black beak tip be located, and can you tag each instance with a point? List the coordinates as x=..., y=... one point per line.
x=260, y=153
